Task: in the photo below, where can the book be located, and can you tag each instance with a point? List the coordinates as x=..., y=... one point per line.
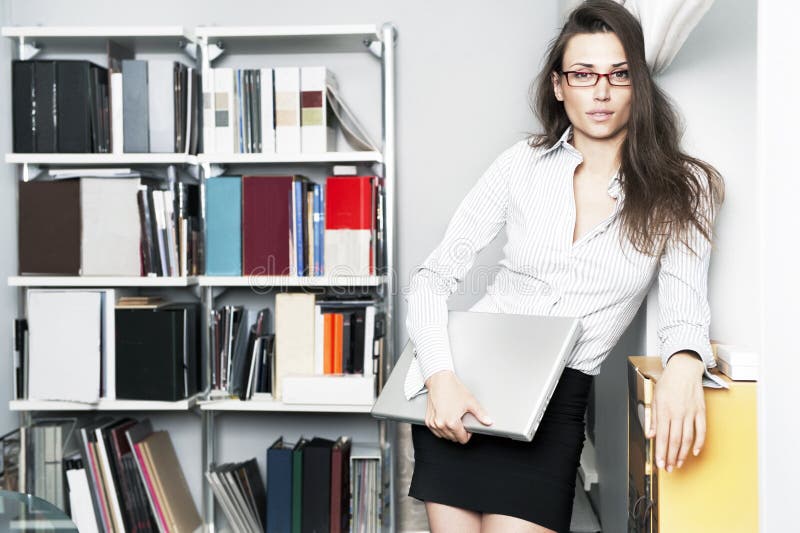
x=65, y=328
x=297, y=484
x=287, y=110
x=180, y=509
x=224, y=226
x=294, y=336
x=349, y=225
x=223, y=110
x=279, y=487
x=317, y=132
x=267, y=110
x=157, y=352
x=49, y=227
x=135, y=106
x=316, y=474
x=340, y=485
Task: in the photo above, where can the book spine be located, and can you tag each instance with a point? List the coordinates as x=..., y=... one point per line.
x=287, y=110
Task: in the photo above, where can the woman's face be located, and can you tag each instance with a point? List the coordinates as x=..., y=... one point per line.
x=601, y=111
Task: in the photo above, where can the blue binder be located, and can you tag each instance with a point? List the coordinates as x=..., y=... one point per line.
x=224, y=226
x=279, y=487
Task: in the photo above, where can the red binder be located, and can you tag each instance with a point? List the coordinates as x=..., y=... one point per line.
x=266, y=220
x=348, y=202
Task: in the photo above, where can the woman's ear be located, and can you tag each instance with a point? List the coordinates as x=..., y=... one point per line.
x=557, y=86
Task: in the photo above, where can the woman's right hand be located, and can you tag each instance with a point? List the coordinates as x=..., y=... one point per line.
x=448, y=400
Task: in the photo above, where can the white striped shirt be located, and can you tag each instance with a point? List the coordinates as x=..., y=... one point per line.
x=598, y=279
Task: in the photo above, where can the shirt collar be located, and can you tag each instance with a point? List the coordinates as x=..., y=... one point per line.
x=614, y=184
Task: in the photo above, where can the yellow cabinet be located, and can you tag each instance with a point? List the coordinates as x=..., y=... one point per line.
x=716, y=491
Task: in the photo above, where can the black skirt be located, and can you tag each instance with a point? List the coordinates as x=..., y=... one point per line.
x=534, y=481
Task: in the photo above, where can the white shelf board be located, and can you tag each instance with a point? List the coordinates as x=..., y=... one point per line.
x=67, y=35
x=101, y=159
x=100, y=281
x=279, y=407
x=95, y=31
x=289, y=281
x=102, y=405
x=292, y=39
x=326, y=157
x=360, y=30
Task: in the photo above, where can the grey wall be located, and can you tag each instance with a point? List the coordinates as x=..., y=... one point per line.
x=8, y=257
x=463, y=73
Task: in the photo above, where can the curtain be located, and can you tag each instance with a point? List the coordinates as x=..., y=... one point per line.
x=666, y=24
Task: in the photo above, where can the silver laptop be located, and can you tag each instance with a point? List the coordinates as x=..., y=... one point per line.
x=511, y=364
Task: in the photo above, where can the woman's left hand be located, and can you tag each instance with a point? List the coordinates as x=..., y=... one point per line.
x=678, y=411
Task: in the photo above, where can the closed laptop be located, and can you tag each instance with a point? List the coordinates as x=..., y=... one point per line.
x=511, y=363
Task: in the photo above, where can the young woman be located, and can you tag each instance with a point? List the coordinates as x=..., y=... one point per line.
x=595, y=208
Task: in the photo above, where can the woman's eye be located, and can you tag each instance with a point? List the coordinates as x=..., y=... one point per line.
x=621, y=74
x=582, y=75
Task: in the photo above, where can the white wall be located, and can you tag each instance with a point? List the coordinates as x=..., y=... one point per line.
x=779, y=284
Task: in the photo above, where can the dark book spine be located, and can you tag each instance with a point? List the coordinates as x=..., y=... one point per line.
x=45, y=105
x=24, y=118
x=73, y=81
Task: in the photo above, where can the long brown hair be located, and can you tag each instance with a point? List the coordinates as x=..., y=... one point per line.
x=666, y=191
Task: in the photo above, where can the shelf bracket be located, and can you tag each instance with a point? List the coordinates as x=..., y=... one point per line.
x=28, y=50
x=378, y=169
x=215, y=50
x=189, y=48
x=375, y=47
x=215, y=170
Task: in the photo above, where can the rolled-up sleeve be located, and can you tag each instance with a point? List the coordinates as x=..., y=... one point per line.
x=684, y=312
x=477, y=220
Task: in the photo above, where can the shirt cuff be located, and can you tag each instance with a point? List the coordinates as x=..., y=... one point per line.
x=432, y=350
x=689, y=339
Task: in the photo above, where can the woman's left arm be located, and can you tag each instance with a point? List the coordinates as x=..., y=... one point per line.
x=678, y=420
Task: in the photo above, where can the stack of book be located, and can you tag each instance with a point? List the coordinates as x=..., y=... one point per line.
x=737, y=363
x=289, y=225
x=96, y=226
x=266, y=110
x=240, y=491
x=80, y=107
x=308, y=485
x=243, y=354
x=135, y=479
x=107, y=474
x=322, y=351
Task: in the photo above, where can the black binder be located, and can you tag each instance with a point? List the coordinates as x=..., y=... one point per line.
x=317, y=485
x=157, y=352
x=23, y=91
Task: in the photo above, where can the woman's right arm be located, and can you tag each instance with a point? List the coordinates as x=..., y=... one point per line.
x=477, y=220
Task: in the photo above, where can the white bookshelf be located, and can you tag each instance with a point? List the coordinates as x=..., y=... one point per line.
x=102, y=405
x=210, y=42
x=327, y=157
x=100, y=281
x=290, y=281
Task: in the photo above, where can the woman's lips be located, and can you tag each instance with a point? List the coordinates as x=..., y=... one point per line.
x=600, y=116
